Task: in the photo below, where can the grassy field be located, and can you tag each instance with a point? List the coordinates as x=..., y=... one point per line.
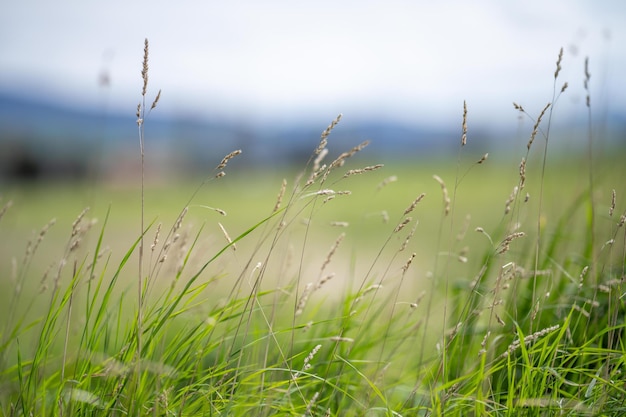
x=467, y=286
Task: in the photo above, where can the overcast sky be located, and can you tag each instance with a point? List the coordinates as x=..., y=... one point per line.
x=265, y=60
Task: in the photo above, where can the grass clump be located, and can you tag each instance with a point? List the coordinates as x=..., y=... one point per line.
x=521, y=315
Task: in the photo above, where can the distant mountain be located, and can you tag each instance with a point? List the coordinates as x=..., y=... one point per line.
x=46, y=135
x=45, y=138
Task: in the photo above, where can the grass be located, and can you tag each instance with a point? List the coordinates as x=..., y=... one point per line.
x=472, y=287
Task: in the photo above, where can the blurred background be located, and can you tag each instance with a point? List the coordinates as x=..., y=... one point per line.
x=268, y=77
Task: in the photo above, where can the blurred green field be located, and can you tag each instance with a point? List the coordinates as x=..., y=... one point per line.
x=478, y=200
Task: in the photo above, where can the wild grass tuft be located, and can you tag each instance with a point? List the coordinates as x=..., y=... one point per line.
x=282, y=316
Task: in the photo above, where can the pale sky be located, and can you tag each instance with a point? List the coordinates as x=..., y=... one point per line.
x=272, y=60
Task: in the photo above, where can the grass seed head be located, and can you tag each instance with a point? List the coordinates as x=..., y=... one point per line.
x=533, y=134
x=227, y=158
x=319, y=158
x=314, y=175
x=505, y=244
x=464, y=126
x=326, y=133
x=332, y=251
x=226, y=235
x=401, y=225
x=406, y=266
x=179, y=220
x=279, y=198
x=144, y=68
x=484, y=342
x=612, y=206
x=529, y=339
x=414, y=204
x=311, y=355
x=311, y=404
x=156, y=237
x=341, y=159
x=510, y=200
x=324, y=280
x=362, y=170
x=303, y=299
x=558, y=64
x=138, y=114
x=581, y=278
x=446, y=197
x=76, y=224
x=156, y=100
x=408, y=237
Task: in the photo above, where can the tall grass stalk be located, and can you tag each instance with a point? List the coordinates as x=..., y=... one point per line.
x=591, y=216
x=141, y=114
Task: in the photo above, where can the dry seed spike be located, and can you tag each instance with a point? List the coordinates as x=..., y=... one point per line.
x=536, y=126
x=464, y=126
x=558, y=64
x=144, y=68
